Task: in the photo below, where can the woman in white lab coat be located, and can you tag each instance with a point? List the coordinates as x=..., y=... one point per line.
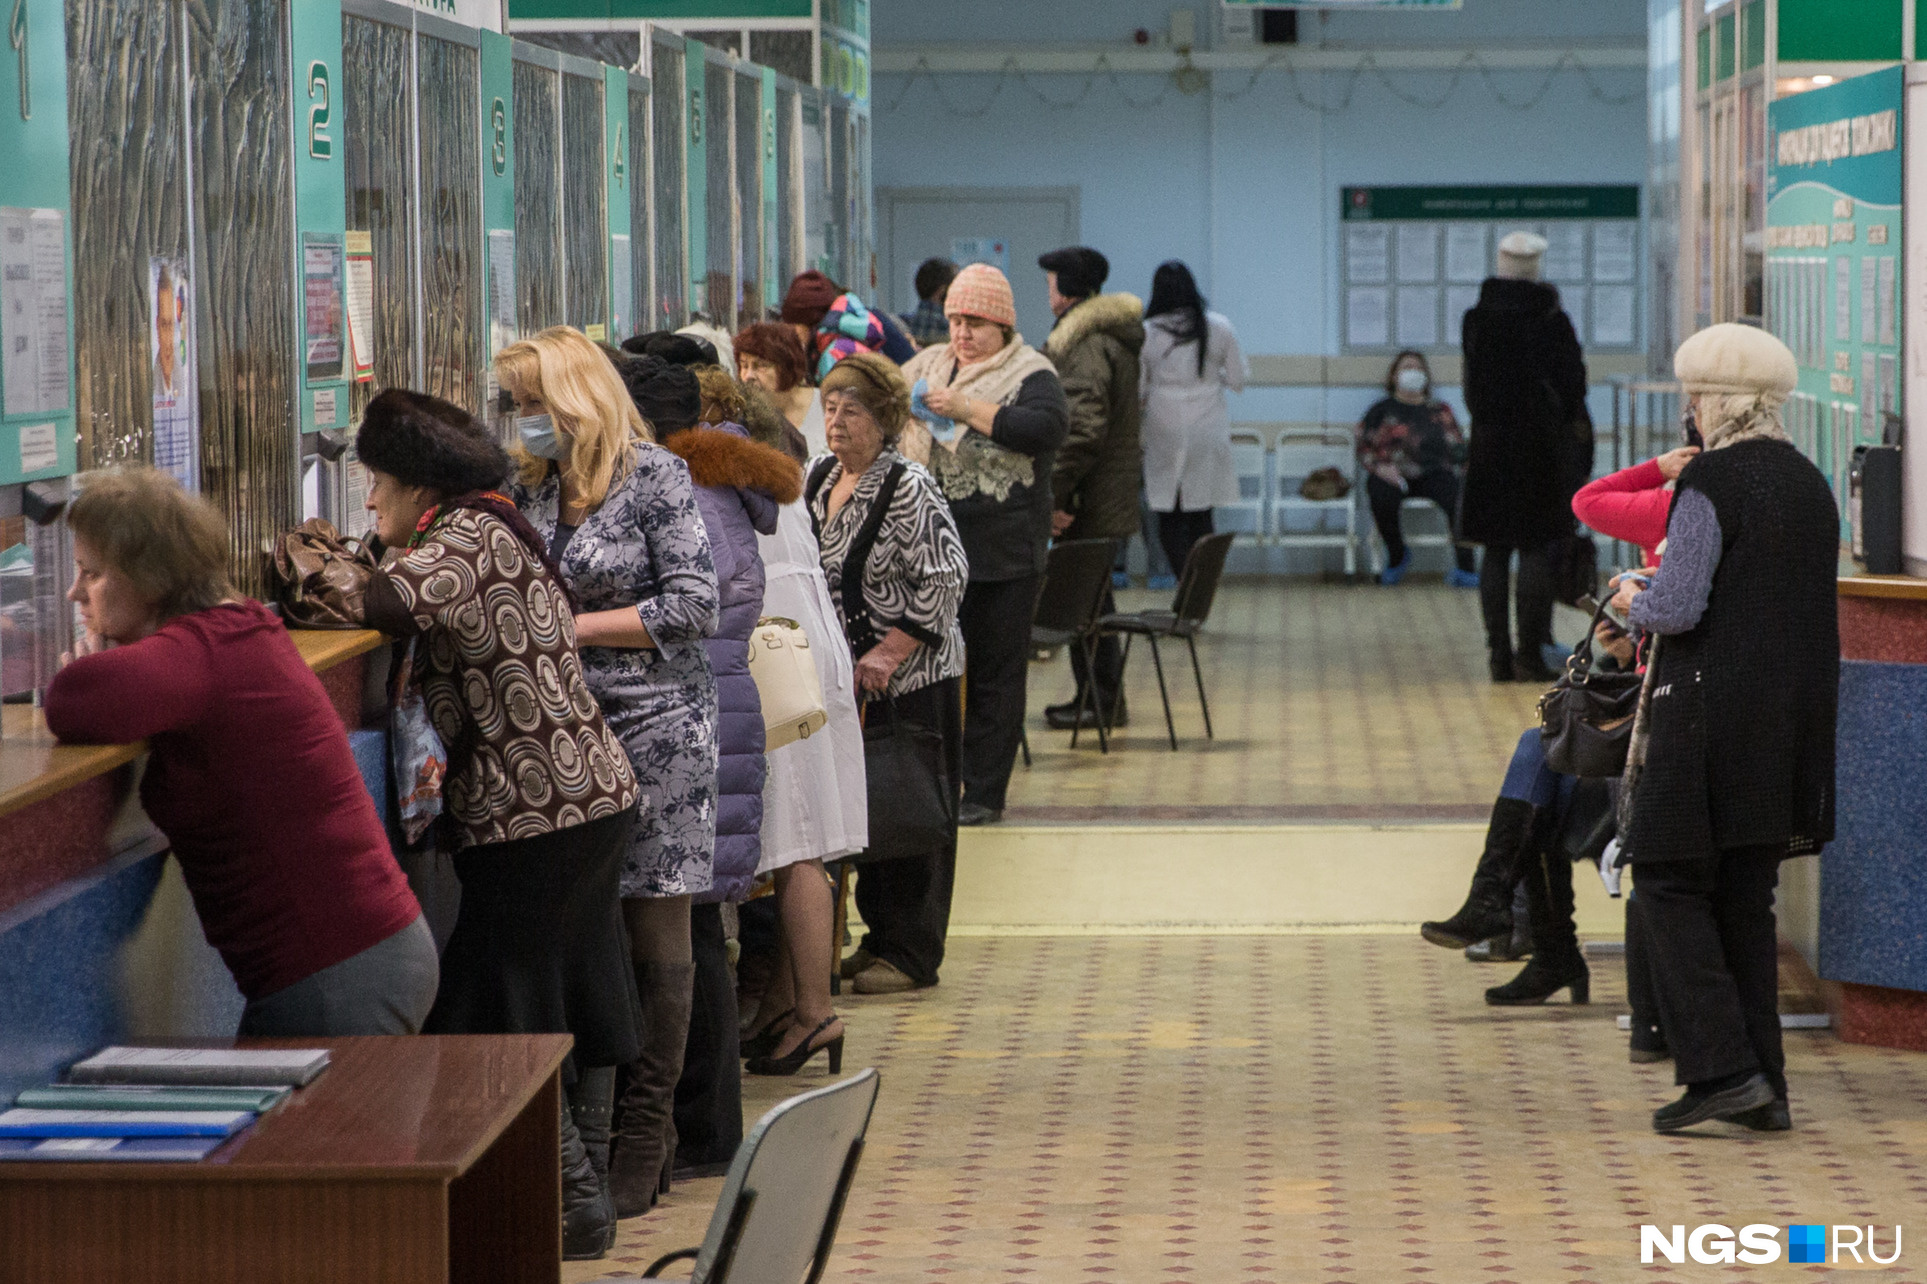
x=1190, y=359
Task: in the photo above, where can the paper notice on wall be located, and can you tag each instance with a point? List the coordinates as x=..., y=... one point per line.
x=361, y=305
x=1869, y=392
x=994, y=250
x=1613, y=246
x=1565, y=252
x=1418, y=253
x=1368, y=252
x=1465, y=253
x=1889, y=387
x=176, y=386
x=39, y=447
x=1842, y=299
x=1885, y=290
x=321, y=311
x=1418, y=316
x=1612, y=316
x=33, y=310
x=1869, y=297
x=501, y=301
x=1577, y=301
x=1458, y=301
x=622, y=295
x=1366, y=321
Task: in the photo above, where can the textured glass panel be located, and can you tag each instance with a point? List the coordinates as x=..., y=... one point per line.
x=126, y=129
x=617, y=48
x=862, y=235
x=538, y=243
x=585, y=210
x=720, y=235
x=244, y=242
x=788, y=233
x=666, y=155
x=451, y=192
x=641, y=200
x=839, y=193
x=817, y=215
x=787, y=53
x=377, y=131
x=749, y=199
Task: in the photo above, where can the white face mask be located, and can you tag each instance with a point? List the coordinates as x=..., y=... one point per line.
x=539, y=437
x=1410, y=380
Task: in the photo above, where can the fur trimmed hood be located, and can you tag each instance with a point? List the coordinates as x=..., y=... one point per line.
x=1119, y=315
x=718, y=457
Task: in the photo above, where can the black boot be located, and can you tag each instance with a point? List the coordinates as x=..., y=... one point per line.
x=1499, y=663
x=647, y=1141
x=591, y=1105
x=1556, y=961
x=1504, y=949
x=588, y=1222
x=1487, y=911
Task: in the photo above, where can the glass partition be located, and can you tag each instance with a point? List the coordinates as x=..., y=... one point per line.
x=378, y=129
x=666, y=155
x=585, y=211
x=838, y=193
x=862, y=260
x=719, y=302
x=749, y=199
x=451, y=196
x=538, y=232
x=814, y=138
x=641, y=202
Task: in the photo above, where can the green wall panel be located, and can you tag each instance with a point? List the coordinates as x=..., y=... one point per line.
x=1753, y=39
x=1839, y=30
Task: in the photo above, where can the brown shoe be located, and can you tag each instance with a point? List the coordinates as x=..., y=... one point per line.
x=856, y=963
x=883, y=978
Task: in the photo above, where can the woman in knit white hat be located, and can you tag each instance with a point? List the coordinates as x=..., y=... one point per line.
x=1731, y=769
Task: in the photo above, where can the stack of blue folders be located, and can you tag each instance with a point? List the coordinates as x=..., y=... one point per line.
x=86, y=1122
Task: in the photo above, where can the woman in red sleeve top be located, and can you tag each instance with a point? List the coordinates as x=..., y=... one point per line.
x=249, y=775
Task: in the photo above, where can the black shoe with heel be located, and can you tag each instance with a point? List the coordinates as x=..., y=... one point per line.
x=765, y=1040
x=1539, y=982
x=802, y=1053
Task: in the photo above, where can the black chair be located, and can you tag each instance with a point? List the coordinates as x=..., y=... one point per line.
x=1197, y=586
x=777, y=1214
x=1075, y=579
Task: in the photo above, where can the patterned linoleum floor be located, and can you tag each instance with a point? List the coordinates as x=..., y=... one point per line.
x=1306, y=1108
x=1329, y=702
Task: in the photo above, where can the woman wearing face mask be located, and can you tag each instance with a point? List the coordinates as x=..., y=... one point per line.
x=1410, y=446
x=619, y=516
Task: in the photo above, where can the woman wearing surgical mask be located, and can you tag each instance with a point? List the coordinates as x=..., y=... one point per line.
x=618, y=515
x=1410, y=447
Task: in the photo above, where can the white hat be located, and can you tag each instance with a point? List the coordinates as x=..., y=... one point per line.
x=1519, y=255
x=1732, y=358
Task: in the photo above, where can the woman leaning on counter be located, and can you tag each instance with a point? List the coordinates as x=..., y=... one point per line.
x=249, y=772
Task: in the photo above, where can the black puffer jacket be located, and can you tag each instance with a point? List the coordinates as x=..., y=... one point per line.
x=1531, y=445
x=1100, y=466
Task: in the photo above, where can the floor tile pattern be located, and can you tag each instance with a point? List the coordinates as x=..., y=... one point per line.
x=1306, y=1108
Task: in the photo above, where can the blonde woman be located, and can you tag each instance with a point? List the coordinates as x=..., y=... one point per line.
x=619, y=516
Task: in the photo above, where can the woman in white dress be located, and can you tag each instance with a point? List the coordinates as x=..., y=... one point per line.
x=815, y=807
x=1190, y=360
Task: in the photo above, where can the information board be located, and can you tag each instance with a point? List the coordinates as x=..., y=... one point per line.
x=1833, y=237
x=1411, y=260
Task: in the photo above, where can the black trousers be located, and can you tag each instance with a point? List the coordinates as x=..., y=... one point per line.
x=1178, y=531
x=1534, y=597
x=995, y=618
x=709, y=1096
x=1709, y=933
x=905, y=903
x=1441, y=486
x=1641, y=996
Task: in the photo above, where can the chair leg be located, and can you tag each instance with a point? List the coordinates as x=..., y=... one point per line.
x=1198, y=673
x=1087, y=696
x=1023, y=743
x=1109, y=719
x=1157, y=662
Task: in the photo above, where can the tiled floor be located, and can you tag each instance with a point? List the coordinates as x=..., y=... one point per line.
x=1306, y=1108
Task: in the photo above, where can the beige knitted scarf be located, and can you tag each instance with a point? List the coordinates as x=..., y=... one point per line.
x=970, y=463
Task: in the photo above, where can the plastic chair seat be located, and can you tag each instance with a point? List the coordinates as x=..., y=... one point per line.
x=1144, y=623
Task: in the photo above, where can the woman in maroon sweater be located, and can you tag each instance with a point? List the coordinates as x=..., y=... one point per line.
x=249, y=775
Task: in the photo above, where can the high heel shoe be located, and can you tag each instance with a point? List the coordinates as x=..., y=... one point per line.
x=801, y=1054
x=766, y=1040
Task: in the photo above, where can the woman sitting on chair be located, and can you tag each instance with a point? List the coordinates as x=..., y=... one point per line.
x=1410, y=447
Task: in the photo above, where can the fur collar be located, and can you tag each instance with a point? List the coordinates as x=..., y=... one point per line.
x=1120, y=314
x=720, y=458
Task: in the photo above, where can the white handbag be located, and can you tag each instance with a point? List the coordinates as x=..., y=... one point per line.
x=786, y=680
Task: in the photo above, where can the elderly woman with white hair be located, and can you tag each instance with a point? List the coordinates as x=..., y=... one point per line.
x=1731, y=769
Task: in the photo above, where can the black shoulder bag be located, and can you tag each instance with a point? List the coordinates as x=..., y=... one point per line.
x=1586, y=719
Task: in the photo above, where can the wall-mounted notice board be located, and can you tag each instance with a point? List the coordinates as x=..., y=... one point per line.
x=1411, y=260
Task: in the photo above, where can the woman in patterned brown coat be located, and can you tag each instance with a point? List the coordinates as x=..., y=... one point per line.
x=539, y=796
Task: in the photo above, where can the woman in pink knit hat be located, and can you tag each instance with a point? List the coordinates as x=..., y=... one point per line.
x=989, y=417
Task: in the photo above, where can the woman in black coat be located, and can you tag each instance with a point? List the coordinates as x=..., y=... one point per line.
x=1732, y=764
x=1531, y=448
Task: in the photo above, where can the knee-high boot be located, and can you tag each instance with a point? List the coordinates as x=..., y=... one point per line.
x=645, y=1143
x=1556, y=961
x=1487, y=911
x=588, y=1222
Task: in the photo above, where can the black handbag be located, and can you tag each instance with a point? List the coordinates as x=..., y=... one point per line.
x=1586, y=719
x=911, y=799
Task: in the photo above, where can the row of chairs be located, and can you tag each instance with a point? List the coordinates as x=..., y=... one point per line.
x=1070, y=612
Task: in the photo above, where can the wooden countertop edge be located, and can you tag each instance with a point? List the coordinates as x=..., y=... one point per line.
x=70, y=765
x=1889, y=586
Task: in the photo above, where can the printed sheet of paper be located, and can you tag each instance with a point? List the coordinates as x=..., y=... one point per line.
x=1418, y=316
x=623, y=296
x=1458, y=301
x=1612, y=316
x=1465, y=253
x=1869, y=297
x=1577, y=301
x=1565, y=252
x=321, y=302
x=1368, y=253
x=176, y=387
x=1418, y=253
x=1884, y=290
x=1366, y=321
x=1842, y=299
x=1613, y=252
x=361, y=305
x=33, y=310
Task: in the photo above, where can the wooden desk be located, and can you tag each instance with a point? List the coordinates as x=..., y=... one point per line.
x=409, y=1160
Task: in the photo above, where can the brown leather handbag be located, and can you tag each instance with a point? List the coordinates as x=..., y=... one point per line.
x=321, y=577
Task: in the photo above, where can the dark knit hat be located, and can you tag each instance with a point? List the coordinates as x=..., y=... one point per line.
x=1080, y=270
x=810, y=296
x=421, y=440
x=667, y=394
x=676, y=349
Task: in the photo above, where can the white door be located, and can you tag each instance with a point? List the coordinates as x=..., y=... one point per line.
x=1015, y=223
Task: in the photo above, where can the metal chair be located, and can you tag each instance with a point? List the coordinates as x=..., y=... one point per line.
x=777, y=1215
x=1197, y=587
x=1075, y=579
x=1312, y=445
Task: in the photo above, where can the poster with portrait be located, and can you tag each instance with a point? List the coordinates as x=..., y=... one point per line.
x=323, y=311
x=170, y=344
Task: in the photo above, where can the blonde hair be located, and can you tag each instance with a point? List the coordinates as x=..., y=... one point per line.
x=722, y=392
x=172, y=546
x=1729, y=417
x=586, y=397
